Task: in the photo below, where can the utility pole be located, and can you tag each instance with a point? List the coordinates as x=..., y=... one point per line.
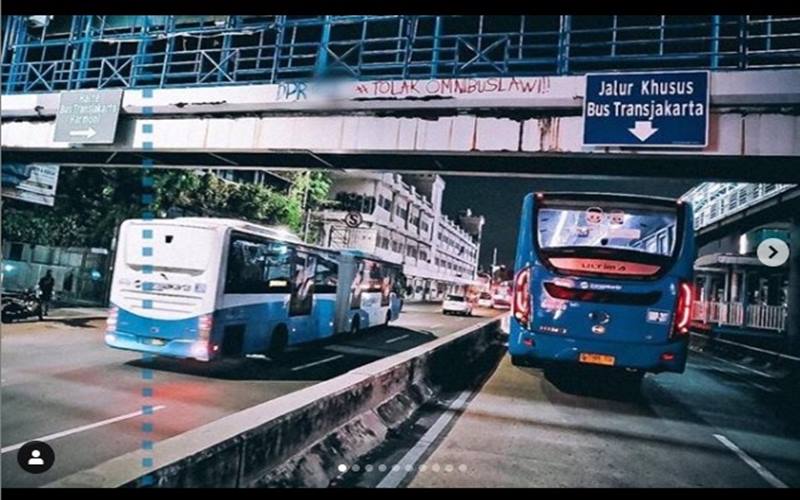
x=306, y=211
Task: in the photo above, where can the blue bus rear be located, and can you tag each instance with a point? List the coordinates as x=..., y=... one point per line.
x=603, y=279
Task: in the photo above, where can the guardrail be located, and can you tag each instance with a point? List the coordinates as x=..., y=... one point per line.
x=289, y=441
x=759, y=316
x=169, y=51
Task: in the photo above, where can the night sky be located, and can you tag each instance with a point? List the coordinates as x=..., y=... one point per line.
x=499, y=199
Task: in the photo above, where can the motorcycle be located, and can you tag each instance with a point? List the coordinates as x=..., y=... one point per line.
x=21, y=306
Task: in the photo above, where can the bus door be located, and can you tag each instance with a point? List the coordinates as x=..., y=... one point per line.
x=302, y=327
x=607, y=271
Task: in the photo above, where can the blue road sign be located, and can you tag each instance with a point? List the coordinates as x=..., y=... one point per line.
x=646, y=109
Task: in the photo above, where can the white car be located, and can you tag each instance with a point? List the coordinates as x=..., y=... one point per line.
x=485, y=300
x=457, y=304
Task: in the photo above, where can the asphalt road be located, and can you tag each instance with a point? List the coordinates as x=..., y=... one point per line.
x=59, y=378
x=717, y=425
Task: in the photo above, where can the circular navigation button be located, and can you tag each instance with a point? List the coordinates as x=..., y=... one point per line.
x=36, y=457
x=773, y=252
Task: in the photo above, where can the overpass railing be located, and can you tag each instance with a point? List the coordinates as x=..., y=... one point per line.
x=52, y=53
x=715, y=201
x=757, y=316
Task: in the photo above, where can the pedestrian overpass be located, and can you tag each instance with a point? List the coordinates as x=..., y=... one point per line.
x=470, y=94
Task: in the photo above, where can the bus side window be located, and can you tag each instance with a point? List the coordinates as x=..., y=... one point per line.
x=257, y=267
x=326, y=277
x=244, y=268
x=277, y=267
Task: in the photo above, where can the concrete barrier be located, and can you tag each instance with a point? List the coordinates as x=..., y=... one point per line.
x=301, y=438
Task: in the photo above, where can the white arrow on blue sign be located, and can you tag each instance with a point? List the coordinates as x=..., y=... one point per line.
x=646, y=109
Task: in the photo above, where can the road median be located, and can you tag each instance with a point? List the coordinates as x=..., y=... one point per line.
x=302, y=439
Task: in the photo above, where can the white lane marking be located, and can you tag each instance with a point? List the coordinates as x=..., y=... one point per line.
x=401, y=337
x=395, y=477
x=51, y=437
x=437, y=325
x=760, y=469
x=315, y=363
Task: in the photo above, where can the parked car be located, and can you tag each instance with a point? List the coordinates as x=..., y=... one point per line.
x=457, y=304
x=485, y=299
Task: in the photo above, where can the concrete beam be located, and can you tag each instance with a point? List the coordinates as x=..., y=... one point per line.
x=780, y=87
x=731, y=134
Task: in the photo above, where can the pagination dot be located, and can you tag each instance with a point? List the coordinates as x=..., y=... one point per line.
x=342, y=468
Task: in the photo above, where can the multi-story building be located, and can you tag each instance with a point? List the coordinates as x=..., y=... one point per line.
x=402, y=221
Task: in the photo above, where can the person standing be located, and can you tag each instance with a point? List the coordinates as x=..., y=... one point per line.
x=46, y=285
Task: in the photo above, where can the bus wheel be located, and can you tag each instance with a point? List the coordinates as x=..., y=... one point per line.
x=354, y=325
x=278, y=343
x=520, y=361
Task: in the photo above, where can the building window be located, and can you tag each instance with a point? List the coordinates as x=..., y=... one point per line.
x=356, y=202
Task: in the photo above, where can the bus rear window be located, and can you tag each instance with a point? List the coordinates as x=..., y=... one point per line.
x=607, y=224
x=169, y=246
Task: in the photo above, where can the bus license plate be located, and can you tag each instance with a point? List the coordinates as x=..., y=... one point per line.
x=156, y=342
x=596, y=359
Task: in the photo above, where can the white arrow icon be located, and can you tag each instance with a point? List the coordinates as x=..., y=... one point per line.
x=88, y=133
x=643, y=130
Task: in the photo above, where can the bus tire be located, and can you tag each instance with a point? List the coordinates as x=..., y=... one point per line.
x=278, y=342
x=354, y=325
x=520, y=361
x=524, y=361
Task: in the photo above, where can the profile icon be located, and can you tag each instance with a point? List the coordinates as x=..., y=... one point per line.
x=36, y=457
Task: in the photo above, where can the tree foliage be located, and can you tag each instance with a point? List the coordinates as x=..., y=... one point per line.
x=91, y=203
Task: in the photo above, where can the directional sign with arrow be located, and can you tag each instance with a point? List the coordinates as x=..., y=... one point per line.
x=88, y=133
x=88, y=116
x=646, y=109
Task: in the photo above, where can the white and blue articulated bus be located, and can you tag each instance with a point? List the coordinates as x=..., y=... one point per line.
x=204, y=288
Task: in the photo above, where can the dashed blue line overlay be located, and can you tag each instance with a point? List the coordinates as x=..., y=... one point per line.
x=147, y=251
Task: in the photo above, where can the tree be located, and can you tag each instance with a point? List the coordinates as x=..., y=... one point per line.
x=91, y=202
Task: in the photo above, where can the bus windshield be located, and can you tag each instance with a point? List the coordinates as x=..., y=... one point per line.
x=608, y=224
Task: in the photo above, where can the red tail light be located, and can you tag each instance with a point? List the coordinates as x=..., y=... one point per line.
x=111, y=319
x=683, y=309
x=521, y=305
x=204, y=325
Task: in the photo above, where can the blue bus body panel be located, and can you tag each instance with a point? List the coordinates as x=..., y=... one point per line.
x=637, y=335
x=137, y=333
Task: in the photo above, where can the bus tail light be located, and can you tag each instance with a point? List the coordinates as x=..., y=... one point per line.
x=521, y=304
x=204, y=325
x=111, y=320
x=683, y=310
